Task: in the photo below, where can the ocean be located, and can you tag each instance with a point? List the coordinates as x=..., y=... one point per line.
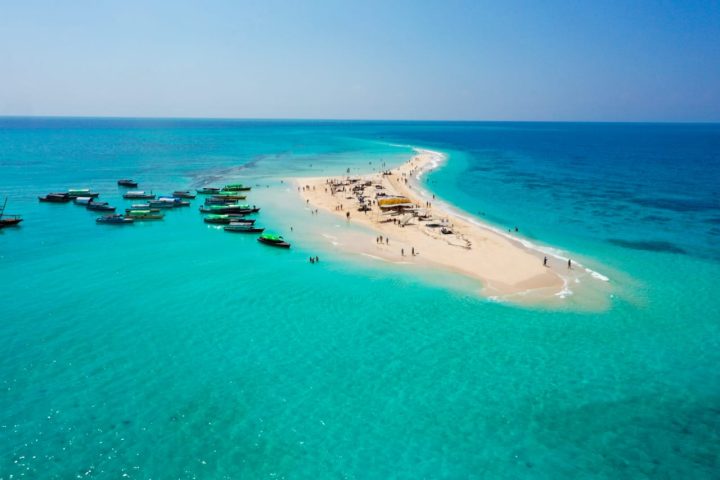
x=172, y=349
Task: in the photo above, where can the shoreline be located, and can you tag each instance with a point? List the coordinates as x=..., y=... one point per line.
x=428, y=232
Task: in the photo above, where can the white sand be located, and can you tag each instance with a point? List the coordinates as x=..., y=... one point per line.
x=501, y=263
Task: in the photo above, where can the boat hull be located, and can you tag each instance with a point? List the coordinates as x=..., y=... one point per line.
x=99, y=208
x=115, y=220
x=180, y=194
x=83, y=194
x=146, y=196
x=273, y=244
x=10, y=222
x=243, y=229
x=55, y=199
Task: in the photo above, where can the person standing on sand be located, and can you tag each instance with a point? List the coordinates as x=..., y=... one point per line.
x=569, y=264
x=545, y=262
x=402, y=252
x=347, y=215
x=413, y=251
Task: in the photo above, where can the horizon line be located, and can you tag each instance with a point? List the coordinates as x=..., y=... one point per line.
x=330, y=119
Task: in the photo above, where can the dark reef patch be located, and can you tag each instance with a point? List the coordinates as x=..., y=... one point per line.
x=649, y=245
x=676, y=204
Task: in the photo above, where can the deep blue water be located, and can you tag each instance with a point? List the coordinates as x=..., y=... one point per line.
x=174, y=350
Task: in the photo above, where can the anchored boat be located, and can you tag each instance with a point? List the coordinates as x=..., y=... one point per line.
x=235, y=187
x=175, y=201
x=232, y=208
x=230, y=195
x=139, y=194
x=100, y=207
x=115, y=220
x=144, y=215
x=58, y=197
x=208, y=191
x=273, y=240
x=225, y=219
x=238, y=227
x=183, y=194
x=81, y=192
x=126, y=182
x=161, y=204
x=8, y=220
x=223, y=200
x=136, y=208
x=82, y=200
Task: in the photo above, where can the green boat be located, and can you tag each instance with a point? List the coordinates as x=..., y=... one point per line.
x=231, y=194
x=232, y=208
x=220, y=219
x=81, y=192
x=235, y=187
x=273, y=239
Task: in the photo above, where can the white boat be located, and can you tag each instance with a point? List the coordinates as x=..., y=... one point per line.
x=139, y=194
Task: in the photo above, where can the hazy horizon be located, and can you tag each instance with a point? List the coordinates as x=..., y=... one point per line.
x=369, y=120
x=429, y=61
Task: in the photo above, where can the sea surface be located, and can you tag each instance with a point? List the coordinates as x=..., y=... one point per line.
x=172, y=349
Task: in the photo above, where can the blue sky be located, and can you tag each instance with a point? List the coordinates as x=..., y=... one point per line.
x=392, y=59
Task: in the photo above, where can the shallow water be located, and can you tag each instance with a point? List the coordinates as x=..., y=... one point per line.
x=174, y=350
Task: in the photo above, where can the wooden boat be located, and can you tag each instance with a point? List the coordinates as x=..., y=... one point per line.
x=176, y=201
x=218, y=201
x=235, y=187
x=144, y=215
x=223, y=200
x=82, y=192
x=8, y=220
x=82, y=200
x=153, y=210
x=229, y=208
x=273, y=240
x=60, y=197
x=226, y=209
x=161, y=204
x=243, y=228
x=231, y=195
x=183, y=194
x=208, y=191
x=126, y=182
x=242, y=221
x=223, y=219
x=100, y=207
x=139, y=194
x=115, y=220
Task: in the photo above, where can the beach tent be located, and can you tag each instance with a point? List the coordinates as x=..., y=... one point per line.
x=394, y=201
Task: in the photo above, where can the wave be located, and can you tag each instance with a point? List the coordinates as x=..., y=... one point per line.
x=435, y=160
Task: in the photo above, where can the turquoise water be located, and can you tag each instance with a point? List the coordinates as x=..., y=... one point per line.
x=175, y=350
